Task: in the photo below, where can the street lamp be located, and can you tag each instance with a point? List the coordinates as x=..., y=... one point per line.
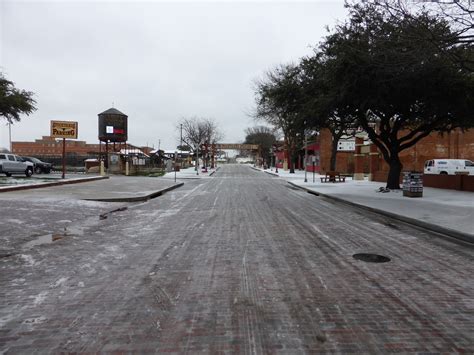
x=305, y=155
x=197, y=159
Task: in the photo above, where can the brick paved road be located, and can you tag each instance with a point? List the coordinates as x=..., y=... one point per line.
x=241, y=263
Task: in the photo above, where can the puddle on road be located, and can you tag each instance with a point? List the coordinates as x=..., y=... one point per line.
x=44, y=239
x=72, y=230
x=6, y=254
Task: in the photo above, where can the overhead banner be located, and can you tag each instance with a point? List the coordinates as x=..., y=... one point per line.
x=64, y=129
x=234, y=146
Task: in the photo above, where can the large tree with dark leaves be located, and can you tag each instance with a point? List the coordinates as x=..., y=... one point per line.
x=279, y=100
x=263, y=136
x=14, y=102
x=459, y=14
x=400, y=88
x=323, y=104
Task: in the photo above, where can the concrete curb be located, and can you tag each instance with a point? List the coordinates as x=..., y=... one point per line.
x=451, y=233
x=49, y=184
x=264, y=171
x=136, y=198
x=271, y=173
x=214, y=171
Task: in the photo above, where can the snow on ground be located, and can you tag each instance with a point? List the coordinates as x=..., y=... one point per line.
x=442, y=207
x=189, y=173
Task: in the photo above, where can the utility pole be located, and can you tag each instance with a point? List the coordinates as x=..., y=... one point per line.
x=305, y=155
x=10, y=136
x=181, y=146
x=197, y=159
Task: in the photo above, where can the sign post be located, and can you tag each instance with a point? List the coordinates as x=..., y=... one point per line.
x=64, y=129
x=305, y=156
x=64, y=158
x=175, y=156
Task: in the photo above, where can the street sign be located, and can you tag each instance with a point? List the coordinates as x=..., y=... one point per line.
x=64, y=129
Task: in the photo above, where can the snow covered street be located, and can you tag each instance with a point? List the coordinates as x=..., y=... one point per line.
x=240, y=262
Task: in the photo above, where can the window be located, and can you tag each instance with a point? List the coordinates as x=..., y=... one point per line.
x=469, y=163
x=3, y=156
x=11, y=157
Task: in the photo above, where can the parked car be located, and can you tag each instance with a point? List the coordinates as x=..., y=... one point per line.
x=449, y=166
x=13, y=164
x=39, y=166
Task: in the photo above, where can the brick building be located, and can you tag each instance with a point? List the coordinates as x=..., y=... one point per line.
x=50, y=147
x=454, y=145
x=281, y=156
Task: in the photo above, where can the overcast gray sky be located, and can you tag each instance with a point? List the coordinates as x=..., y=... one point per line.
x=156, y=61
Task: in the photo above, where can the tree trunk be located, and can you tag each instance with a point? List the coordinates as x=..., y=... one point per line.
x=292, y=163
x=332, y=163
x=393, y=180
x=291, y=156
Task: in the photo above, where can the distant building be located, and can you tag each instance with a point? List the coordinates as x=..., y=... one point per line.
x=50, y=147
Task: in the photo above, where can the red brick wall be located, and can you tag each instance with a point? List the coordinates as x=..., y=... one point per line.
x=325, y=149
x=454, y=145
x=344, y=159
x=48, y=146
x=382, y=176
x=468, y=183
x=452, y=182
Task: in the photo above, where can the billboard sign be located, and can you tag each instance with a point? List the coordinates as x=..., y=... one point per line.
x=64, y=129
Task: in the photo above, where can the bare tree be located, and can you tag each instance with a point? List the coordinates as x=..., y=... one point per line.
x=199, y=131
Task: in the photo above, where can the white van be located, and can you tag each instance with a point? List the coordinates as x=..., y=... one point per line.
x=449, y=166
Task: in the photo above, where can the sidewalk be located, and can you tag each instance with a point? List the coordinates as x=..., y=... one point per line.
x=449, y=212
x=114, y=188
x=190, y=173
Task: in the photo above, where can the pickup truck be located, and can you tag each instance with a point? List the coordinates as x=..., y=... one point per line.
x=13, y=164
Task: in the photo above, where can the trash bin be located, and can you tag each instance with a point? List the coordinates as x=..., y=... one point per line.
x=412, y=184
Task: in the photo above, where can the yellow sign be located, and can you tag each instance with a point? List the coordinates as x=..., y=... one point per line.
x=64, y=129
